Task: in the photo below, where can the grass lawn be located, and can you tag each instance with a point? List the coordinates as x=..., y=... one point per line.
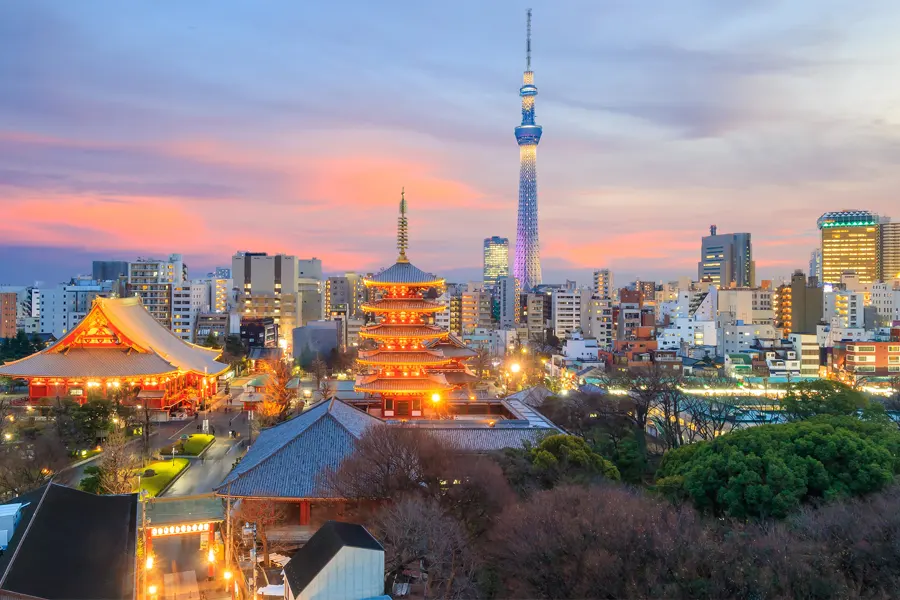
x=191, y=446
x=166, y=470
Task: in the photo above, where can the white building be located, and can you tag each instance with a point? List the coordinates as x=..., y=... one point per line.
x=885, y=298
x=603, y=283
x=844, y=309
x=152, y=280
x=750, y=305
x=736, y=337
x=807, y=350
x=566, y=311
x=596, y=319
x=508, y=297
x=826, y=335
x=188, y=301
x=63, y=307
x=577, y=347
x=476, y=308
x=687, y=331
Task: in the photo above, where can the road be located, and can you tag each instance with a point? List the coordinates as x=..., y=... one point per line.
x=203, y=474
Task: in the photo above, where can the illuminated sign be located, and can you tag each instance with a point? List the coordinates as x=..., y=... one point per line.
x=179, y=529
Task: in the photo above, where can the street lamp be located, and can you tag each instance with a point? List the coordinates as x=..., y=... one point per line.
x=435, y=397
x=149, y=564
x=515, y=367
x=152, y=590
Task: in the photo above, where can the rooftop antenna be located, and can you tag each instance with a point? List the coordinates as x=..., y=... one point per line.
x=528, y=44
x=402, y=228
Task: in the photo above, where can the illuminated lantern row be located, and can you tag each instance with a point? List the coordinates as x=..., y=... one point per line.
x=179, y=529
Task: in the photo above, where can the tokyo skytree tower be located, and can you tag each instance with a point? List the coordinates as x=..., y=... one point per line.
x=527, y=266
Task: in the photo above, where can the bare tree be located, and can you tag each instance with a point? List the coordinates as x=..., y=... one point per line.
x=480, y=363
x=25, y=465
x=117, y=465
x=318, y=369
x=264, y=514
x=667, y=410
x=709, y=418
x=418, y=536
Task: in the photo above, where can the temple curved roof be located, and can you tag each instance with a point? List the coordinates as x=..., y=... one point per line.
x=404, y=273
x=402, y=357
x=117, y=338
x=376, y=384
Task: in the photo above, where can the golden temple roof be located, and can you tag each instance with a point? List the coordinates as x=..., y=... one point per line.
x=402, y=357
x=404, y=273
x=400, y=385
x=386, y=330
x=402, y=305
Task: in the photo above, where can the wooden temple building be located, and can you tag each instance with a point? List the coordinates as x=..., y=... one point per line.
x=120, y=350
x=415, y=364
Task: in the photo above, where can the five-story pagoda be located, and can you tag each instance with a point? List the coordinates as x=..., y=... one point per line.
x=399, y=367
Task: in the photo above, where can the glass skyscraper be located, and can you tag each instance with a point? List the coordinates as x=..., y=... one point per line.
x=496, y=259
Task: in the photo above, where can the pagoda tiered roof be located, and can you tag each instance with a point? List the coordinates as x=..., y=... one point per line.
x=117, y=338
x=402, y=357
x=414, y=305
x=451, y=346
x=393, y=330
x=417, y=386
x=404, y=273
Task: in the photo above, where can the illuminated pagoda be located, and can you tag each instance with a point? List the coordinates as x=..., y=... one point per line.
x=408, y=371
x=119, y=349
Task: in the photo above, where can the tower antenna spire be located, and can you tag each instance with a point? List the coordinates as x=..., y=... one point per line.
x=528, y=43
x=402, y=228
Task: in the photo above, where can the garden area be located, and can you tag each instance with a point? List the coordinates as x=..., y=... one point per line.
x=163, y=472
x=191, y=445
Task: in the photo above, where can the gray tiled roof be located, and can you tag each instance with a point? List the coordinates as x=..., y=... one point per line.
x=403, y=272
x=287, y=460
x=485, y=439
x=93, y=362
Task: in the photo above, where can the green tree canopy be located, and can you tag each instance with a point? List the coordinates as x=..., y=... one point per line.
x=770, y=470
x=568, y=459
x=809, y=399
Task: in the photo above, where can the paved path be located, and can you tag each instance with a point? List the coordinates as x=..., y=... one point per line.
x=207, y=472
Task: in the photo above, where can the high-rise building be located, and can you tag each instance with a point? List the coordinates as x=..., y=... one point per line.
x=476, y=308
x=851, y=241
x=536, y=309
x=527, y=266
x=109, y=270
x=8, y=303
x=345, y=295
x=798, y=306
x=566, y=312
x=152, y=280
x=603, y=283
x=890, y=251
x=815, y=264
x=726, y=259
x=508, y=295
x=188, y=301
x=596, y=319
x=267, y=288
x=496, y=259
x=309, y=286
x=844, y=309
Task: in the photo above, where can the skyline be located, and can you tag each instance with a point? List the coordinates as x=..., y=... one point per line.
x=145, y=132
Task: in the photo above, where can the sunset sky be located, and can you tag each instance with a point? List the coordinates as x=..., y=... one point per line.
x=145, y=128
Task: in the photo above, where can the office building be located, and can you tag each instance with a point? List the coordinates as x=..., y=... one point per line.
x=885, y=299
x=596, y=319
x=815, y=264
x=508, y=298
x=566, y=311
x=218, y=325
x=345, y=295
x=496, y=260
x=222, y=273
x=890, y=251
x=603, y=283
x=851, y=241
x=62, y=308
x=152, y=281
x=844, y=309
x=109, y=270
x=188, y=301
x=750, y=305
x=798, y=306
x=727, y=259
x=536, y=309
x=310, y=287
x=476, y=308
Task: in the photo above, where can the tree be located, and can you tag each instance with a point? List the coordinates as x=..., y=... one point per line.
x=27, y=465
x=211, y=341
x=808, y=399
x=117, y=465
x=318, y=369
x=709, y=417
x=644, y=386
x=417, y=535
x=262, y=513
x=277, y=396
x=480, y=363
x=91, y=419
x=567, y=459
x=770, y=470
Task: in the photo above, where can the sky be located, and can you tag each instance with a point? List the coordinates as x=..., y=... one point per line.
x=154, y=127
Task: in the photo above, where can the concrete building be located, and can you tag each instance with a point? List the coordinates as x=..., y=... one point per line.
x=851, y=241
x=8, y=304
x=750, y=305
x=799, y=305
x=310, y=287
x=508, y=297
x=476, y=308
x=535, y=308
x=890, y=251
x=597, y=319
x=345, y=294
x=109, y=270
x=220, y=294
x=603, y=283
x=577, y=347
x=815, y=264
x=844, y=309
x=152, y=280
x=188, y=301
x=566, y=311
x=868, y=359
x=219, y=325
x=885, y=298
x=496, y=260
x=807, y=348
x=685, y=331
x=727, y=259
x=737, y=336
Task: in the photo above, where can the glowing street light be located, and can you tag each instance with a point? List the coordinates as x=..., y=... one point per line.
x=149, y=564
x=524, y=350
x=211, y=557
x=435, y=397
x=7, y=436
x=515, y=367
x=226, y=575
x=152, y=590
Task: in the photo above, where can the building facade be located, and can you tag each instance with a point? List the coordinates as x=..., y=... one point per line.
x=799, y=305
x=8, y=304
x=508, y=297
x=496, y=260
x=476, y=308
x=345, y=295
x=566, y=311
x=152, y=280
x=727, y=259
x=109, y=270
x=603, y=283
x=890, y=251
x=851, y=241
x=188, y=301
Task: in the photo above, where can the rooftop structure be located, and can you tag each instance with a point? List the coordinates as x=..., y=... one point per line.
x=119, y=347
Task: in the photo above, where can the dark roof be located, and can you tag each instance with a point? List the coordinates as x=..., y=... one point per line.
x=404, y=272
x=264, y=353
x=286, y=460
x=315, y=555
x=75, y=545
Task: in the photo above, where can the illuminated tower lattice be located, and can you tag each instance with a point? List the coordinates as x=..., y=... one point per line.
x=527, y=266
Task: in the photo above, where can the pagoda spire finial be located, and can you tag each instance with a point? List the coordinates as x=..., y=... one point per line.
x=402, y=229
